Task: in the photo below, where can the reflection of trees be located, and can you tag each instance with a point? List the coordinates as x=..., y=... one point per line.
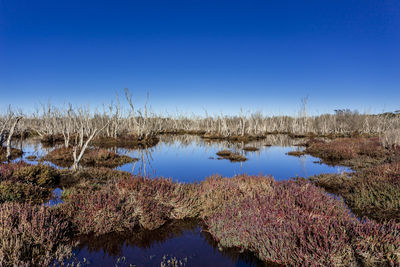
x=113, y=244
x=234, y=254
x=271, y=139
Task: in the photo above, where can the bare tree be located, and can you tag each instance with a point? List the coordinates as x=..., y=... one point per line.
x=17, y=119
x=82, y=146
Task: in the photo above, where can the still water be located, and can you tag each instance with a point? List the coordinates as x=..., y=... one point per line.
x=189, y=159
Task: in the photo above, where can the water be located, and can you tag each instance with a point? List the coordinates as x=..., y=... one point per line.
x=191, y=159
x=188, y=159
x=185, y=241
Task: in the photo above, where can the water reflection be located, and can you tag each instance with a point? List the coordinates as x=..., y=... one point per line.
x=184, y=240
x=191, y=158
x=188, y=158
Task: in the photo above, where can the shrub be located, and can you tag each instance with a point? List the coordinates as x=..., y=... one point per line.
x=20, y=192
x=346, y=148
x=42, y=175
x=372, y=192
x=23, y=182
x=15, y=153
x=93, y=157
x=233, y=157
x=128, y=202
x=32, y=236
x=295, y=223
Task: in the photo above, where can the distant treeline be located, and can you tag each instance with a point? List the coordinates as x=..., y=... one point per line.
x=115, y=121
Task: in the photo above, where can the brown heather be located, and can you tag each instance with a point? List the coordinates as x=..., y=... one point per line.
x=289, y=222
x=126, y=203
x=296, y=223
x=372, y=192
x=15, y=153
x=232, y=156
x=345, y=148
x=32, y=236
x=62, y=156
x=23, y=182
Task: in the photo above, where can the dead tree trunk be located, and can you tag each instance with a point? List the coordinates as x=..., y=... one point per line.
x=10, y=136
x=3, y=131
x=77, y=158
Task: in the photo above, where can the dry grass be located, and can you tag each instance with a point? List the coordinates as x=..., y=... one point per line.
x=126, y=203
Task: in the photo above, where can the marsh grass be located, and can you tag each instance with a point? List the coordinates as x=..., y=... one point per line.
x=31, y=158
x=22, y=182
x=62, y=156
x=126, y=141
x=32, y=236
x=250, y=148
x=15, y=153
x=296, y=153
x=342, y=149
x=232, y=156
x=296, y=223
x=286, y=222
x=126, y=203
x=373, y=192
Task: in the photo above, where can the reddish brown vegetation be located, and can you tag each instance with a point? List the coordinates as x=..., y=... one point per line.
x=345, y=148
x=126, y=141
x=295, y=153
x=233, y=157
x=51, y=140
x=93, y=157
x=23, y=182
x=296, y=223
x=283, y=222
x=15, y=153
x=372, y=192
x=129, y=202
x=233, y=138
x=250, y=148
x=32, y=236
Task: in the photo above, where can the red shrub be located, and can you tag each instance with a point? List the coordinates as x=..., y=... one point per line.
x=32, y=236
x=294, y=223
x=128, y=202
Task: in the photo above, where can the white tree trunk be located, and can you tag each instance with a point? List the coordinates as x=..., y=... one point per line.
x=77, y=159
x=10, y=136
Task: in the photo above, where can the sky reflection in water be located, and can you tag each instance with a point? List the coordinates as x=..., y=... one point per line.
x=189, y=159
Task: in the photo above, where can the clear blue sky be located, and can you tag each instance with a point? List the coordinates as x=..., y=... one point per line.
x=195, y=55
